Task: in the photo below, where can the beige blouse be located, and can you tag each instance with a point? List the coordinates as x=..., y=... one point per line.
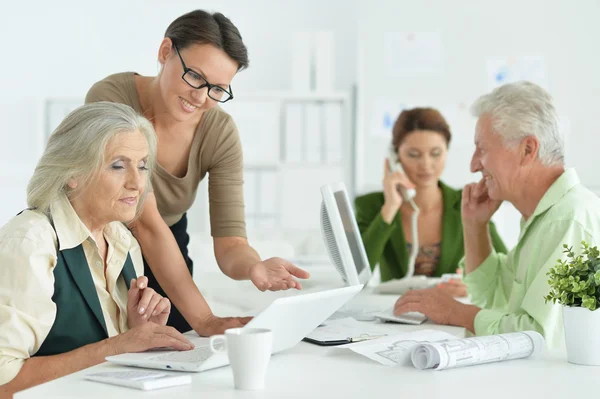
x=216, y=150
x=28, y=256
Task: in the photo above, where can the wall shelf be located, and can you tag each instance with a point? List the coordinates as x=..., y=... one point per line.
x=292, y=96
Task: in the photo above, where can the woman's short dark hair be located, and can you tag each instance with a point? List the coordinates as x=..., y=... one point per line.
x=201, y=27
x=415, y=119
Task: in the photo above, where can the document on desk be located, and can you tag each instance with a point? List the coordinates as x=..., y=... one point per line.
x=346, y=330
x=437, y=350
x=476, y=350
x=395, y=350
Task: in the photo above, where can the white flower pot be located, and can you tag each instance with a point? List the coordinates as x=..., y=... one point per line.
x=582, y=335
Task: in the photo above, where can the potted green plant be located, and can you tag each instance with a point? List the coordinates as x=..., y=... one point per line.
x=575, y=284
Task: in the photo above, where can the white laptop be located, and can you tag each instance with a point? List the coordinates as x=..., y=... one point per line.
x=347, y=252
x=290, y=318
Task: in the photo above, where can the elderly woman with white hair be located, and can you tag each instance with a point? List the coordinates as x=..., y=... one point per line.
x=520, y=153
x=69, y=291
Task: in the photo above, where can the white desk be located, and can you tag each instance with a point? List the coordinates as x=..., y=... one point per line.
x=310, y=371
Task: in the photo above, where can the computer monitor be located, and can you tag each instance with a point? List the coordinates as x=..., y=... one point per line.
x=341, y=235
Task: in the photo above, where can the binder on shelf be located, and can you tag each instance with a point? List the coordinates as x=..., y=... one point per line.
x=332, y=115
x=313, y=133
x=301, y=195
x=323, y=61
x=258, y=124
x=250, y=193
x=294, y=133
x=302, y=61
x=268, y=193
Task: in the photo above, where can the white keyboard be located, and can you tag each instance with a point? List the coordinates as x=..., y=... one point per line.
x=403, y=285
x=360, y=313
x=196, y=355
x=406, y=318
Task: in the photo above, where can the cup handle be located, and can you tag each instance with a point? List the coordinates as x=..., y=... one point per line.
x=214, y=339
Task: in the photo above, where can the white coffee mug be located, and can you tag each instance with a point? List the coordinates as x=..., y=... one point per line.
x=249, y=351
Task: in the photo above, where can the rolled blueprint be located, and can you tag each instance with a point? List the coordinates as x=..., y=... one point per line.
x=477, y=350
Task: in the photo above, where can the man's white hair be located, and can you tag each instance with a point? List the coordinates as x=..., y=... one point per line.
x=524, y=109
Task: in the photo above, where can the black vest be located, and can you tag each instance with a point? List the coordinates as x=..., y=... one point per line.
x=79, y=319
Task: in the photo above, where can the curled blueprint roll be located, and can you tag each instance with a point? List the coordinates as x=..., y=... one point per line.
x=476, y=350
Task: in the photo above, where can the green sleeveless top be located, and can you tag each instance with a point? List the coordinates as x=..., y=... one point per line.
x=79, y=319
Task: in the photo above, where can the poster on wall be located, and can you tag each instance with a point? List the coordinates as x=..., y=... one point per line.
x=385, y=113
x=501, y=70
x=387, y=109
x=413, y=53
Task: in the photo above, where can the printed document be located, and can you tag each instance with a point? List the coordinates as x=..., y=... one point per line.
x=437, y=350
x=395, y=350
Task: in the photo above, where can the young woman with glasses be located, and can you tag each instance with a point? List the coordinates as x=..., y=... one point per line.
x=199, y=56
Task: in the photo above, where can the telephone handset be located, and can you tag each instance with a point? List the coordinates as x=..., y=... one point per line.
x=408, y=195
x=395, y=166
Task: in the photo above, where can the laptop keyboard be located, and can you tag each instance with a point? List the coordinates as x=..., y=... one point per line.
x=196, y=355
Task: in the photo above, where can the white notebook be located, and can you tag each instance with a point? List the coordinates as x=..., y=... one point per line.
x=141, y=379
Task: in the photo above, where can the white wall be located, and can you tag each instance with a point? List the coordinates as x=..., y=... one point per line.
x=565, y=33
x=60, y=48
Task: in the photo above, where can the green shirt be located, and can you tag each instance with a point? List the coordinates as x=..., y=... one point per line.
x=385, y=243
x=511, y=288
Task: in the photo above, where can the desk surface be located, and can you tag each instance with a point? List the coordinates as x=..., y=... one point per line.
x=310, y=371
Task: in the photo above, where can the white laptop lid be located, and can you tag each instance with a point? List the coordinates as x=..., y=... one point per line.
x=291, y=319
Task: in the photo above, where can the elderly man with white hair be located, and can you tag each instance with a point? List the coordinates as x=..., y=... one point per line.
x=520, y=153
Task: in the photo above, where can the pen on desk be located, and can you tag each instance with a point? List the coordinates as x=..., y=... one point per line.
x=366, y=338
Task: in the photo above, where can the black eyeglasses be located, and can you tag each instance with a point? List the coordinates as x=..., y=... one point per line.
x=197, y=81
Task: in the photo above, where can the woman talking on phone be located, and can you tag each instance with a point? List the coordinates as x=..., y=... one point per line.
x=417, y=159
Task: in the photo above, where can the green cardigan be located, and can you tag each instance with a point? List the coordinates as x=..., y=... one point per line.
x=385, y=243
